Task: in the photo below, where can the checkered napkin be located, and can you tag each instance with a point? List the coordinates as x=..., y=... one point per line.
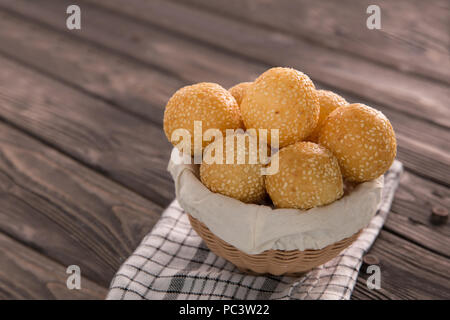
x=172, y=262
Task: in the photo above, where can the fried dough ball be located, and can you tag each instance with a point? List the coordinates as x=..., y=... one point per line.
x=238, y=91
x=328, y=101
x=362, y=139
x=207, y=102
x=308, y=176
x=284, y=99
x=242, y=179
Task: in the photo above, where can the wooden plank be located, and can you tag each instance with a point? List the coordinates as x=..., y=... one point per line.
x=413, y=37
x=130, y=150
x=30, y=160
x=444, y=137
x=148, y=44
x=26, y=274
x=423, y=235
x=66, y=211
x=101, y=74
x=381, y=84
x=407, y=272
x=122, y=82
x=411, y=210
x=153, y=47
x=422, y=147
x=417, y=196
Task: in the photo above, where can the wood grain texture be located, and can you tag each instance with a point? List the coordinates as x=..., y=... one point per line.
x=158, y=11
x=126, y=84
x=97, y=95
x=127, y=149
x=26, y=274
x=413, y=37
x=416, y=197
x=422, y=146
x=411, y=210
x=359, y=76
x=161, y=49
x=66, y=211
x=407, y=272
x=101, y=77
x=181, y=58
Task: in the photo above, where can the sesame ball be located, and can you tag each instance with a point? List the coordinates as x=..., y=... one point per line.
x=242, y=179
x=284, y=99
x=308, y=176
x=362, y=139
x=207, y=102
x=328, y=102
x=239, y=90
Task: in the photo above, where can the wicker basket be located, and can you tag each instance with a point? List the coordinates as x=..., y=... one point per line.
x=275, y=262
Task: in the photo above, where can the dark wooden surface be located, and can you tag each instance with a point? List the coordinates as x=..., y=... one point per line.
x=83, y=155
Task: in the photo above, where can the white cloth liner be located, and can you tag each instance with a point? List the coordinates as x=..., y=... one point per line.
x=255, y=228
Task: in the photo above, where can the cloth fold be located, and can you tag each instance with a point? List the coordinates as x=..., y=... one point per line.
x=257, y=228
x=172, y=262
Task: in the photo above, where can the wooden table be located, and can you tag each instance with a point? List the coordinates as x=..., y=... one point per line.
x=82, y=151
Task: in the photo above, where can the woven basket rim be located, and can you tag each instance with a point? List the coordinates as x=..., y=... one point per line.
x=272, y=261
x=212, y=208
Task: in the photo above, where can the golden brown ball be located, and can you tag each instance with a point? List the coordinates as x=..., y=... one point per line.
x=362, y=139
x=207, y=102
x=328, y=102
x=308, y=176
x=284, y=99
x=238, y=91
x=242, y=179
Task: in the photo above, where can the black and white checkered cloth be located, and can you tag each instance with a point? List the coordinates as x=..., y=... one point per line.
x=172, y=262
